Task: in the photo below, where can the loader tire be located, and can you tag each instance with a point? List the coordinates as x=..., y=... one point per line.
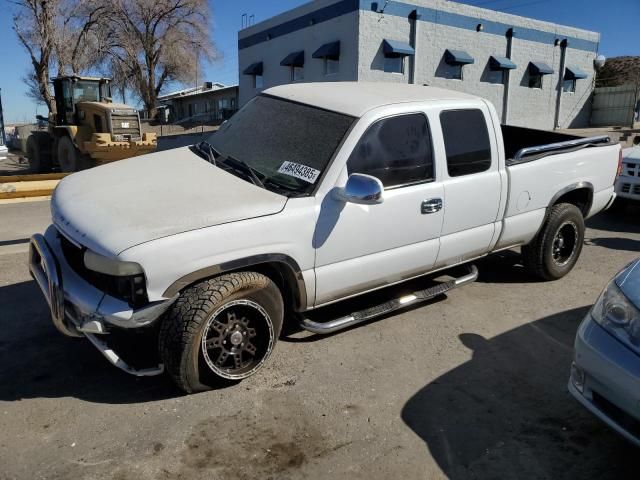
x=39, y=162
x=69, y=157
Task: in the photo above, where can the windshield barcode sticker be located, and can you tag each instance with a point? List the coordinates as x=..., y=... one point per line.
x=302, y=172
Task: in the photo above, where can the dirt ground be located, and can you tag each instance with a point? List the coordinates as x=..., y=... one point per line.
x=472, y=385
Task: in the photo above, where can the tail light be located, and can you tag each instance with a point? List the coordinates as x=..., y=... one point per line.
x=619, y=163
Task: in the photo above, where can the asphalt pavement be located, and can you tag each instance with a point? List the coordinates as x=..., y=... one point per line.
x=472, y=385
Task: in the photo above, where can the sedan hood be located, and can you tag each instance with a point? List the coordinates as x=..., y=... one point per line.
x=114, y=207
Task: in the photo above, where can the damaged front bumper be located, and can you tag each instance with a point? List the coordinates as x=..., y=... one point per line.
x=79, y=309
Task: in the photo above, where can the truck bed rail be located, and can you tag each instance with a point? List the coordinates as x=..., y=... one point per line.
x=529, y=154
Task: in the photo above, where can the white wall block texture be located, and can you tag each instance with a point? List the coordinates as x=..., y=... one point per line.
x=362, y=32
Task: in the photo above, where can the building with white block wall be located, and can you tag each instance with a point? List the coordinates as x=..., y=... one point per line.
x=536, y=74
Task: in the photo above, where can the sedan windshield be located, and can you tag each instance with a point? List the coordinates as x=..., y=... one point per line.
x=286, y=145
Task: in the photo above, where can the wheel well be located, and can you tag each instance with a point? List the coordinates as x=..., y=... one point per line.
x=580, y=197
x=285, y=279
x=282, y=274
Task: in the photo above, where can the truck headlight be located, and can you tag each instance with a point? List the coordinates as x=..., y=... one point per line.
x=617, y=315
x=110, y=266
x=119, y=279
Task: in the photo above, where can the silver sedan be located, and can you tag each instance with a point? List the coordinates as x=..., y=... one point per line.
x=605, y=374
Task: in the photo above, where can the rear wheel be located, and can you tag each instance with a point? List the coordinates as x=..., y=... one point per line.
x=223, y=329
x=555, y=250
x=69, y=157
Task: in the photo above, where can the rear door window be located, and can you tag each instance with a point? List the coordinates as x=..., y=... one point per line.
x=396, y=150
x=466, y=141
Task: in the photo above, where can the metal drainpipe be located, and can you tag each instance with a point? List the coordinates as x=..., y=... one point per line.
x=505, y=94
x=563, y=58
x=414, y=17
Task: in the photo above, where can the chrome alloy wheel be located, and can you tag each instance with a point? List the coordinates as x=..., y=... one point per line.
x=237, y=339
x=565, y=243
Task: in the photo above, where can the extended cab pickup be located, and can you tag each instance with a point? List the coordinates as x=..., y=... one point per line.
x=310, y=194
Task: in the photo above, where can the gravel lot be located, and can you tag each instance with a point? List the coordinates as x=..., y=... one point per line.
x=472, y=385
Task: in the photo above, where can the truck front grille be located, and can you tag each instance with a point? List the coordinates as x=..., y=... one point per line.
x=633, y=189
x=632, y=169
x=125, y=126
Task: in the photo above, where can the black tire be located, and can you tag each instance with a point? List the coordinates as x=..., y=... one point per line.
x=555, y=250
x=69, y=157
x=39, y=162
x=221, y=320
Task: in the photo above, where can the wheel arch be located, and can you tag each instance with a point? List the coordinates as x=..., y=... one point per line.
x=283, y=270
x=579, y=194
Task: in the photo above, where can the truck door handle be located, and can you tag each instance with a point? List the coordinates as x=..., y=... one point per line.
x=431, y=206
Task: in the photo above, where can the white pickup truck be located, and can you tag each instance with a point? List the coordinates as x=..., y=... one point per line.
x=310, y=194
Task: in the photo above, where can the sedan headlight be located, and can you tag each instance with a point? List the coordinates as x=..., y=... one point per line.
x=618, y=315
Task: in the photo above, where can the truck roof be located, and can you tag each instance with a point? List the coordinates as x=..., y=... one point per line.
x=356, y=98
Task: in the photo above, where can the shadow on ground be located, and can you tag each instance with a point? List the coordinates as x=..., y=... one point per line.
x=507, y=414
x=37, y=361
x=617, y=220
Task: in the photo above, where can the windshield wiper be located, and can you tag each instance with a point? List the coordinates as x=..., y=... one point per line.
x=243, y=167
x=207, y=151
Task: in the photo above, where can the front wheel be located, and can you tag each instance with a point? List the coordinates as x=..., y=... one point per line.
x=69, y=157
x=555, y=250
x=220, y=330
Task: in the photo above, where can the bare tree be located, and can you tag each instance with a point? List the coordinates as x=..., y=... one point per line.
x=72, y=35
x=34, y=23
x=81, y=35
x=155, y=42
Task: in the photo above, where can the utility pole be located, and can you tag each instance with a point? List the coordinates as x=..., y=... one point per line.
x=3, y=140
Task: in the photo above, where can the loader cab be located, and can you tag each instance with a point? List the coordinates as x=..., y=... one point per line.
x=69, y=91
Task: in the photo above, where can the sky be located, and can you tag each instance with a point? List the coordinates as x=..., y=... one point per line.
x=618, y=21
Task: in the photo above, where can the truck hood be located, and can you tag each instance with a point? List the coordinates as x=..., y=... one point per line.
x=114, y=207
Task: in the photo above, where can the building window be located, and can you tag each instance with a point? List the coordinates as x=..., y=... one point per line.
x=257, y=81
x=466, y=142
x=536, y=71
x=330, y=54
x=297, y=73
x=331, y=65
x=453, y=72
x=535, y=80
x=394, y=64
x=394, y=53
x=569, y=85
x=498, y=68
x=496, y=76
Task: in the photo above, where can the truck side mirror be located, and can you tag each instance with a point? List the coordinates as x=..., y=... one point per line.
x=361, y=189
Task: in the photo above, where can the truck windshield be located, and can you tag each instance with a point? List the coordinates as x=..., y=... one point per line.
x=287, y=145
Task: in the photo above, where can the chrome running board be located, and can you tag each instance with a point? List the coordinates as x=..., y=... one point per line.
x=420, y=296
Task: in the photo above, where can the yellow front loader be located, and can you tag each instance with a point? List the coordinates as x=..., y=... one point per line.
x=88, y=129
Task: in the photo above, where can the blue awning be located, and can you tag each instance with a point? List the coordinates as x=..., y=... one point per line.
x=457, y=57
x=394, y=48
x=295, y=59
x=574, y=73
x=328, y=50
x=539, y=68
x=253, y=69
x=501, y=63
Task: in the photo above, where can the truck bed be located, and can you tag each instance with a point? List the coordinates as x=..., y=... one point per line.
x=523, y=144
